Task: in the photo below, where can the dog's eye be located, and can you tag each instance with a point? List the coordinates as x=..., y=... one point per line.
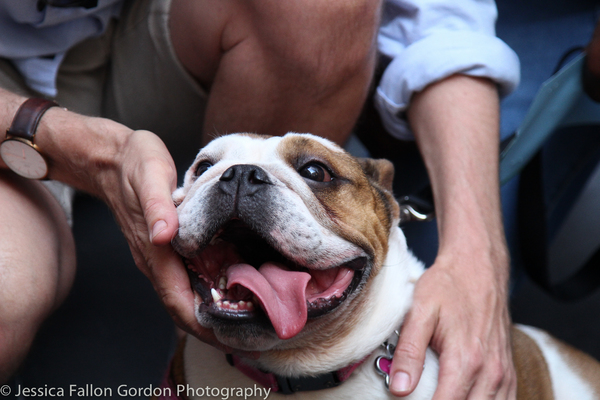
x=202, y=168
x=315, y=172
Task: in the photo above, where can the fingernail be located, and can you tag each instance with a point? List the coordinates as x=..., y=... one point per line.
x=400, y=382
x=158, y=228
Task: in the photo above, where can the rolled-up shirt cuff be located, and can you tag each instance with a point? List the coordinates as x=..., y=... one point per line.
x=436, y=57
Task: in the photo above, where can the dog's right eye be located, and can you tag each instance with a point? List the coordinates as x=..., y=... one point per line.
x=202, y=168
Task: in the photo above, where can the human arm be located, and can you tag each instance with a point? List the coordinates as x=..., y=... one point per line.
x=133, y=172
x=439, y=52
x=429, y=40
x=460, y=307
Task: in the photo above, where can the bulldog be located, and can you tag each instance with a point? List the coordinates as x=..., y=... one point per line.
x=294, y=251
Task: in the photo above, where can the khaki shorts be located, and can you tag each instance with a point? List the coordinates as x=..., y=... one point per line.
x=131, y=75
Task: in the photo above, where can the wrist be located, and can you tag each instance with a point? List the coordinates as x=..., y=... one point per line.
x=480, y=256
x=471, y=236
x=19, y=150
x=81, y=151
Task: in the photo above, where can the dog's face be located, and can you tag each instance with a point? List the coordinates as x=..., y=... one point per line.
x=281, y=236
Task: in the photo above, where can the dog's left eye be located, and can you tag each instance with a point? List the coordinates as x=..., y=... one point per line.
x=315, y=172
x=202, y=168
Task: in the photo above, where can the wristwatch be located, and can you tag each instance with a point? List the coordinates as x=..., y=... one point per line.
x=18, y=151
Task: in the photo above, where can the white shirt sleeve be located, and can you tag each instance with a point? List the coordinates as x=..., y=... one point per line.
x=36, y=41
x=428, y=40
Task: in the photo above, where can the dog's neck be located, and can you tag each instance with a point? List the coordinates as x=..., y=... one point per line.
x=289, y=385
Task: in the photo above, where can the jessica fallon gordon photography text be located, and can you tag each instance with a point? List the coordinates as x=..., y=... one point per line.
x=146, y=392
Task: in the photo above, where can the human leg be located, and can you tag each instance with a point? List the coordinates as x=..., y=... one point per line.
x=37, y=264
x=273, y=66
x=37, y=250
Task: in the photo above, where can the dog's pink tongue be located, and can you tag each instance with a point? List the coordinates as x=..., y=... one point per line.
x=281, y=292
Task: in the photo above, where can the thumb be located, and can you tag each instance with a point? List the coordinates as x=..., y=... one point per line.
x=409, y=356
x=158, y=207
x=162, y=229
x=152, y=178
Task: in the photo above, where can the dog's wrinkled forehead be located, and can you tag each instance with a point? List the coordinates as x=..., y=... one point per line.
x=347, y=197
x=249, y=147
x=273, y=153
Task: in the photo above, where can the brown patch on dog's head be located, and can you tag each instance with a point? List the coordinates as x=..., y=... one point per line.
x=360, y=208
x=359, y=201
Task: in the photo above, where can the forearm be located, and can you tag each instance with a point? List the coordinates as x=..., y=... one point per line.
x=9, y=104
x=456, y=125
x=133, y=172
x=460, y=304
x=79, y=149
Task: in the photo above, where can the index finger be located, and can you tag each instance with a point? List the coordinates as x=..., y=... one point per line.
x=409, y=356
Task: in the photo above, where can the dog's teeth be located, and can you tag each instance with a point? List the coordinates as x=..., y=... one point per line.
x=222, y=283
x=232, y=305
x=215, y=295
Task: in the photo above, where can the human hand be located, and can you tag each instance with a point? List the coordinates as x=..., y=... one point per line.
x=134, y=173
x=460, y=304
x=138, y=191
x=460, y=310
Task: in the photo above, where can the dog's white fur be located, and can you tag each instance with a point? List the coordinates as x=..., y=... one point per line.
x=206, y=366
x=567, y=382
x=388, y=302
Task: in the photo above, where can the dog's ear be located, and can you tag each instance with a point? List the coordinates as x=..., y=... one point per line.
x=380, y=171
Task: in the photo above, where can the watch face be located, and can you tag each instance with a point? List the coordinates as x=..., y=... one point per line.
x=23, y=159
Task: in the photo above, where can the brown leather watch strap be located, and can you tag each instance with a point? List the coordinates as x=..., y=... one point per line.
x=28, y=117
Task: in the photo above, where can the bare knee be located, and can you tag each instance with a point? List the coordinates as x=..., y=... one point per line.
x=26, y=300
x=37, y=265
x=322, y=43
x=325, y=42
x=14, y=345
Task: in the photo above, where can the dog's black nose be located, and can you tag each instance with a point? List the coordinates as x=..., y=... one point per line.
x=243, y=179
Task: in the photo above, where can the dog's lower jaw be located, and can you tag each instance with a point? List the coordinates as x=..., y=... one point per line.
x=385, y=306
x=247, y=337
x=381, y=312
x=259, y=335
